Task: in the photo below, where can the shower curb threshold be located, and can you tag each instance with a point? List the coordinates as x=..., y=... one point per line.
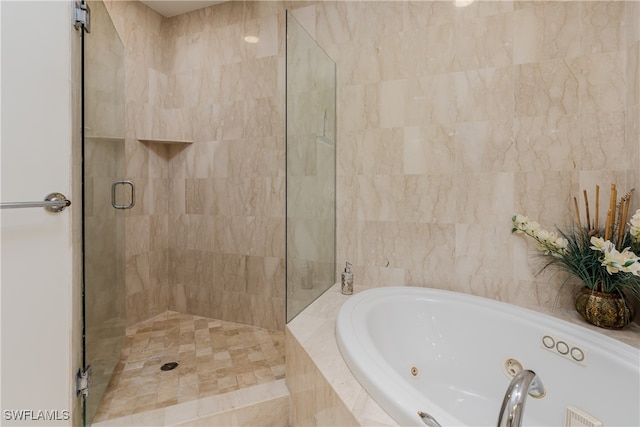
x=186, y=413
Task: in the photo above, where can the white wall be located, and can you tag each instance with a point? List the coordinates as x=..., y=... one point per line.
x=38, y=267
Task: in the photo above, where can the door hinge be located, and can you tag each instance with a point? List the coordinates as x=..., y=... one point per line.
x=82, y=16
x=83, y=381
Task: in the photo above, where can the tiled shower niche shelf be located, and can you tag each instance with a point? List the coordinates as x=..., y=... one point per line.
x=105, y=138
x=164, y=141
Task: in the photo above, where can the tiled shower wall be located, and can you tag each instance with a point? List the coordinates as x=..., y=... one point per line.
x=449, y=121
x=226, y=233
x=207, y=237
x=146, y=275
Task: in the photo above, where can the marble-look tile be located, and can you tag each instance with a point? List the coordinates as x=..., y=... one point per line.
x=379, y=152
x=488, y=197
x=265, y=276
x=323, y=390
x=602, y=26
x=429, y=253
x=547, y=142
x=429, y=199
x=484, y=42
x=632, y=23
x=484, y=94
x=548, y=88
x=380, y=198
x=537, y=196
x=599, y=91
x=419, y=14
x=352, y=111
x=633, y=74
x=432, y=100
x=483, y=146
x=473, y=254
x=378, y=245
x=204, y=384
x=483, y=9
x=546, y=31
x=427, y=50
x=137, y=273
x=603, y=141
x=429, y=149
x=632, y=144
x=137, y=226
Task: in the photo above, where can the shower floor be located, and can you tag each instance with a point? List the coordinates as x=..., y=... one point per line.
x=214, y=357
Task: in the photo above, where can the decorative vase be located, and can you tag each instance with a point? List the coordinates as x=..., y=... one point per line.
x=603, y=309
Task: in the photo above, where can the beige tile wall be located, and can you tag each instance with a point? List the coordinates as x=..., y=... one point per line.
x=452, y=119
x=226, y=239
x=208, y=235
x=449, y=121
x=147, y=286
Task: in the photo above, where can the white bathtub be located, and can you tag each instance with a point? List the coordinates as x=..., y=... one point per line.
x=459, y=344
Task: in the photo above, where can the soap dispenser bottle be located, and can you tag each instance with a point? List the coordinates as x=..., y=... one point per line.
x=347, y=280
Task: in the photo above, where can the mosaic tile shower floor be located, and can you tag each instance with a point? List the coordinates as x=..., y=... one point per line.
x=214, y=357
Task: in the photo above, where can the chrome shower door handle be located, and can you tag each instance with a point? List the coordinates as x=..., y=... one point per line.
x=132, y=202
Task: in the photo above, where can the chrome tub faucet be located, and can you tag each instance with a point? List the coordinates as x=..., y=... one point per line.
x=525, y=383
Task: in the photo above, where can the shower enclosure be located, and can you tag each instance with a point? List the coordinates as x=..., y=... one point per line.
x=310, y=169
x=310, y=198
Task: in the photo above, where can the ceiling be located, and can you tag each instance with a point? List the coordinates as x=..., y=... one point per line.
x=171, y=8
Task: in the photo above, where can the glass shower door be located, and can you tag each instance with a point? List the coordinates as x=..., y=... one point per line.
x=103, y=225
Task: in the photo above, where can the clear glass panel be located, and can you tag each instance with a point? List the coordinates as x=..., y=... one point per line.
x=103, y=155
x=311, y=169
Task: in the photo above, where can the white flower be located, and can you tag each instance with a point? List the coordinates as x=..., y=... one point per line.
x=599, y=244
x=625, y=261
x=542, y=234
x=519, y=220
x=532, y=227
x=519, y=223
x=633, y=268
x=561, y=243
x=634, y=229
x=548, y=242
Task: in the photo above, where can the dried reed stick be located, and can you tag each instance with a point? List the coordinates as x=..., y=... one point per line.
x=621, y=222
x=586, y=206
x=620, y=227
x=597, y=208
x=611, y=213
x=575, y=203
x=626, y=209
x=624, y=212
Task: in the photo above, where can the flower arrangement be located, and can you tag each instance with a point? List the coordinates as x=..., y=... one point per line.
x=604, y=259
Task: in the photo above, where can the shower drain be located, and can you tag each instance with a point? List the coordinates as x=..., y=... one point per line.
x=169, y=366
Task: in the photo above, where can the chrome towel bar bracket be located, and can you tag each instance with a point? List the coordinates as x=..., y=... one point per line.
x=54, y=202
